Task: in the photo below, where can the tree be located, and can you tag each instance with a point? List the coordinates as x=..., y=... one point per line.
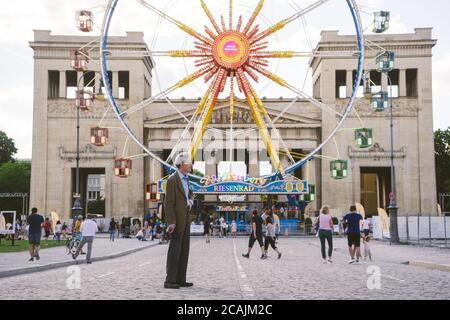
x=14, y=178
x=97, y=206
x=7, y=148
x=442, y=161
x=196, y=172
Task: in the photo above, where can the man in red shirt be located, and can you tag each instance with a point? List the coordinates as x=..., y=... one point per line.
x=47, y=228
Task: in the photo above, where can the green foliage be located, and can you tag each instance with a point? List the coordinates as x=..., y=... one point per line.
x=14, y=178
x=442, y=160
x=97, y=206
x=196, y=172
x=7, y=148
x=22, y=245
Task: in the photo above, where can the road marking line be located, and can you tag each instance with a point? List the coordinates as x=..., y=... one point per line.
x=392, y=278
x=105, y=275
x=244, y=284
x=144, y=264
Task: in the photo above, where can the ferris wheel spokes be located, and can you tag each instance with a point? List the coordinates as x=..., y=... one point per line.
x=275, y=78
x=190, y=78
x=287, y=54
x=240, y=55
x=258, y=118
x=218, y=84
x=179, y=24
x=281, y=24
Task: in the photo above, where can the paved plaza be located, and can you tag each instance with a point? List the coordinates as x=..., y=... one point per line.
x=219, y=272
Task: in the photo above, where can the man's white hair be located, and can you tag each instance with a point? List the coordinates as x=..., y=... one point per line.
x=182, y=157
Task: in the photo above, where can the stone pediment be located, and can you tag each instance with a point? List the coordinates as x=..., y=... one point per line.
x=242, y=115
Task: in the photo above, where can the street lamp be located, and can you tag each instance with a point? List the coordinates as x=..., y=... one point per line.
x=82, y=103
x=393, y=208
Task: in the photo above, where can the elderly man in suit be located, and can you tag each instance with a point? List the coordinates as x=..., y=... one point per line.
x=177, y=205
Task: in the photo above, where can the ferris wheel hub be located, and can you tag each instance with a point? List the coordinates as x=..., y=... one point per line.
x=231, y=50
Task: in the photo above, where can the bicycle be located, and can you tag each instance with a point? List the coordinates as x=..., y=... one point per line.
x=72, y=244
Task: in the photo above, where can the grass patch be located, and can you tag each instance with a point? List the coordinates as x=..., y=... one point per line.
x=22, y=245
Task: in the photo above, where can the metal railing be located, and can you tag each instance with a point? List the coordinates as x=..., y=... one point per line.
x=428, y=230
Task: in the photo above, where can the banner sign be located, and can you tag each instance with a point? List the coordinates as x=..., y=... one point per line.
x=248, y=185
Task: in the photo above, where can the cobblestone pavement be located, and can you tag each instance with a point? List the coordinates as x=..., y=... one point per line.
x=219, y=272
x=101, y=247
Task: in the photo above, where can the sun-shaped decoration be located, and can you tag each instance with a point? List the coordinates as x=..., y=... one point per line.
x=231, y=53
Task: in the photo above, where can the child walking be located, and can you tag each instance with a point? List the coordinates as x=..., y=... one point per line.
x=366, y=246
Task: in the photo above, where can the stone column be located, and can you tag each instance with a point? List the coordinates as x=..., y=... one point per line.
x=97, y=83
x=154, y=172
x=79, y=75
x=62, y=84
x=253, y=169
x=115, y=83
x=211, y=170
x=384, y=82
x=402, y=83
x=309, y=174
x=284, y=163
x=349, y=83
x=110, y=209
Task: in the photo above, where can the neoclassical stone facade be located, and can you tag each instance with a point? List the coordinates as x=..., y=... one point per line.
x=302, y=127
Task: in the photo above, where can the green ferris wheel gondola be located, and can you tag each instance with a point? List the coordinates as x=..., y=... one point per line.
x=379, y=101
x=385, y=61
x=310, y=196
x=364, y=137
x=339, y=169
x=381, y=21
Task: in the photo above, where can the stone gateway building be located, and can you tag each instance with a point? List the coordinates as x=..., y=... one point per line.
x=302, y=127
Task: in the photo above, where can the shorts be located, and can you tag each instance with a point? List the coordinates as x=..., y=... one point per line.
x=366, y=232
x=354, y=240
x=47, y=234
x=258, y=238
x=34, y=239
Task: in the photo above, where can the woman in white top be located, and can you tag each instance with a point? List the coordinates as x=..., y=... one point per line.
x=270, y=237
x=140, y=235
x=365, y=226
x=326, y=233
x=233, y=229
x=58, y=231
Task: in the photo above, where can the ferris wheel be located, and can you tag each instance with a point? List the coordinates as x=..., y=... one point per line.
x=232, y=55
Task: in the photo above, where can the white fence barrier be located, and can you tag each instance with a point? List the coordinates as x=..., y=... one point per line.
x=411, y=226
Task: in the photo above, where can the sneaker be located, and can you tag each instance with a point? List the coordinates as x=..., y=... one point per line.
x=357, y=261
x=31, y=259
x=324, y=261
x=263, y=257
x=246, y=255
x=37, y=256
x=352, y=260
x=279, y=255
x=329, y=260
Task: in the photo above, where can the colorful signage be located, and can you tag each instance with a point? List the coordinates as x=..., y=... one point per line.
x=210, y=185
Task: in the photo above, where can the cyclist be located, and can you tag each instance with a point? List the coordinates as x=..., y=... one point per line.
x=77, y=232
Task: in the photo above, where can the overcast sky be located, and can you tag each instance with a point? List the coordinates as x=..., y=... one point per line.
x=19, y=18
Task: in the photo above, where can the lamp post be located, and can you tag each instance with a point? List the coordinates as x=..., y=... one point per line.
x=77, y=209
x=393, y=208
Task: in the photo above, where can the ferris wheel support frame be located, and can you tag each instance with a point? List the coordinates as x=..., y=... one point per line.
x=110, y=9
